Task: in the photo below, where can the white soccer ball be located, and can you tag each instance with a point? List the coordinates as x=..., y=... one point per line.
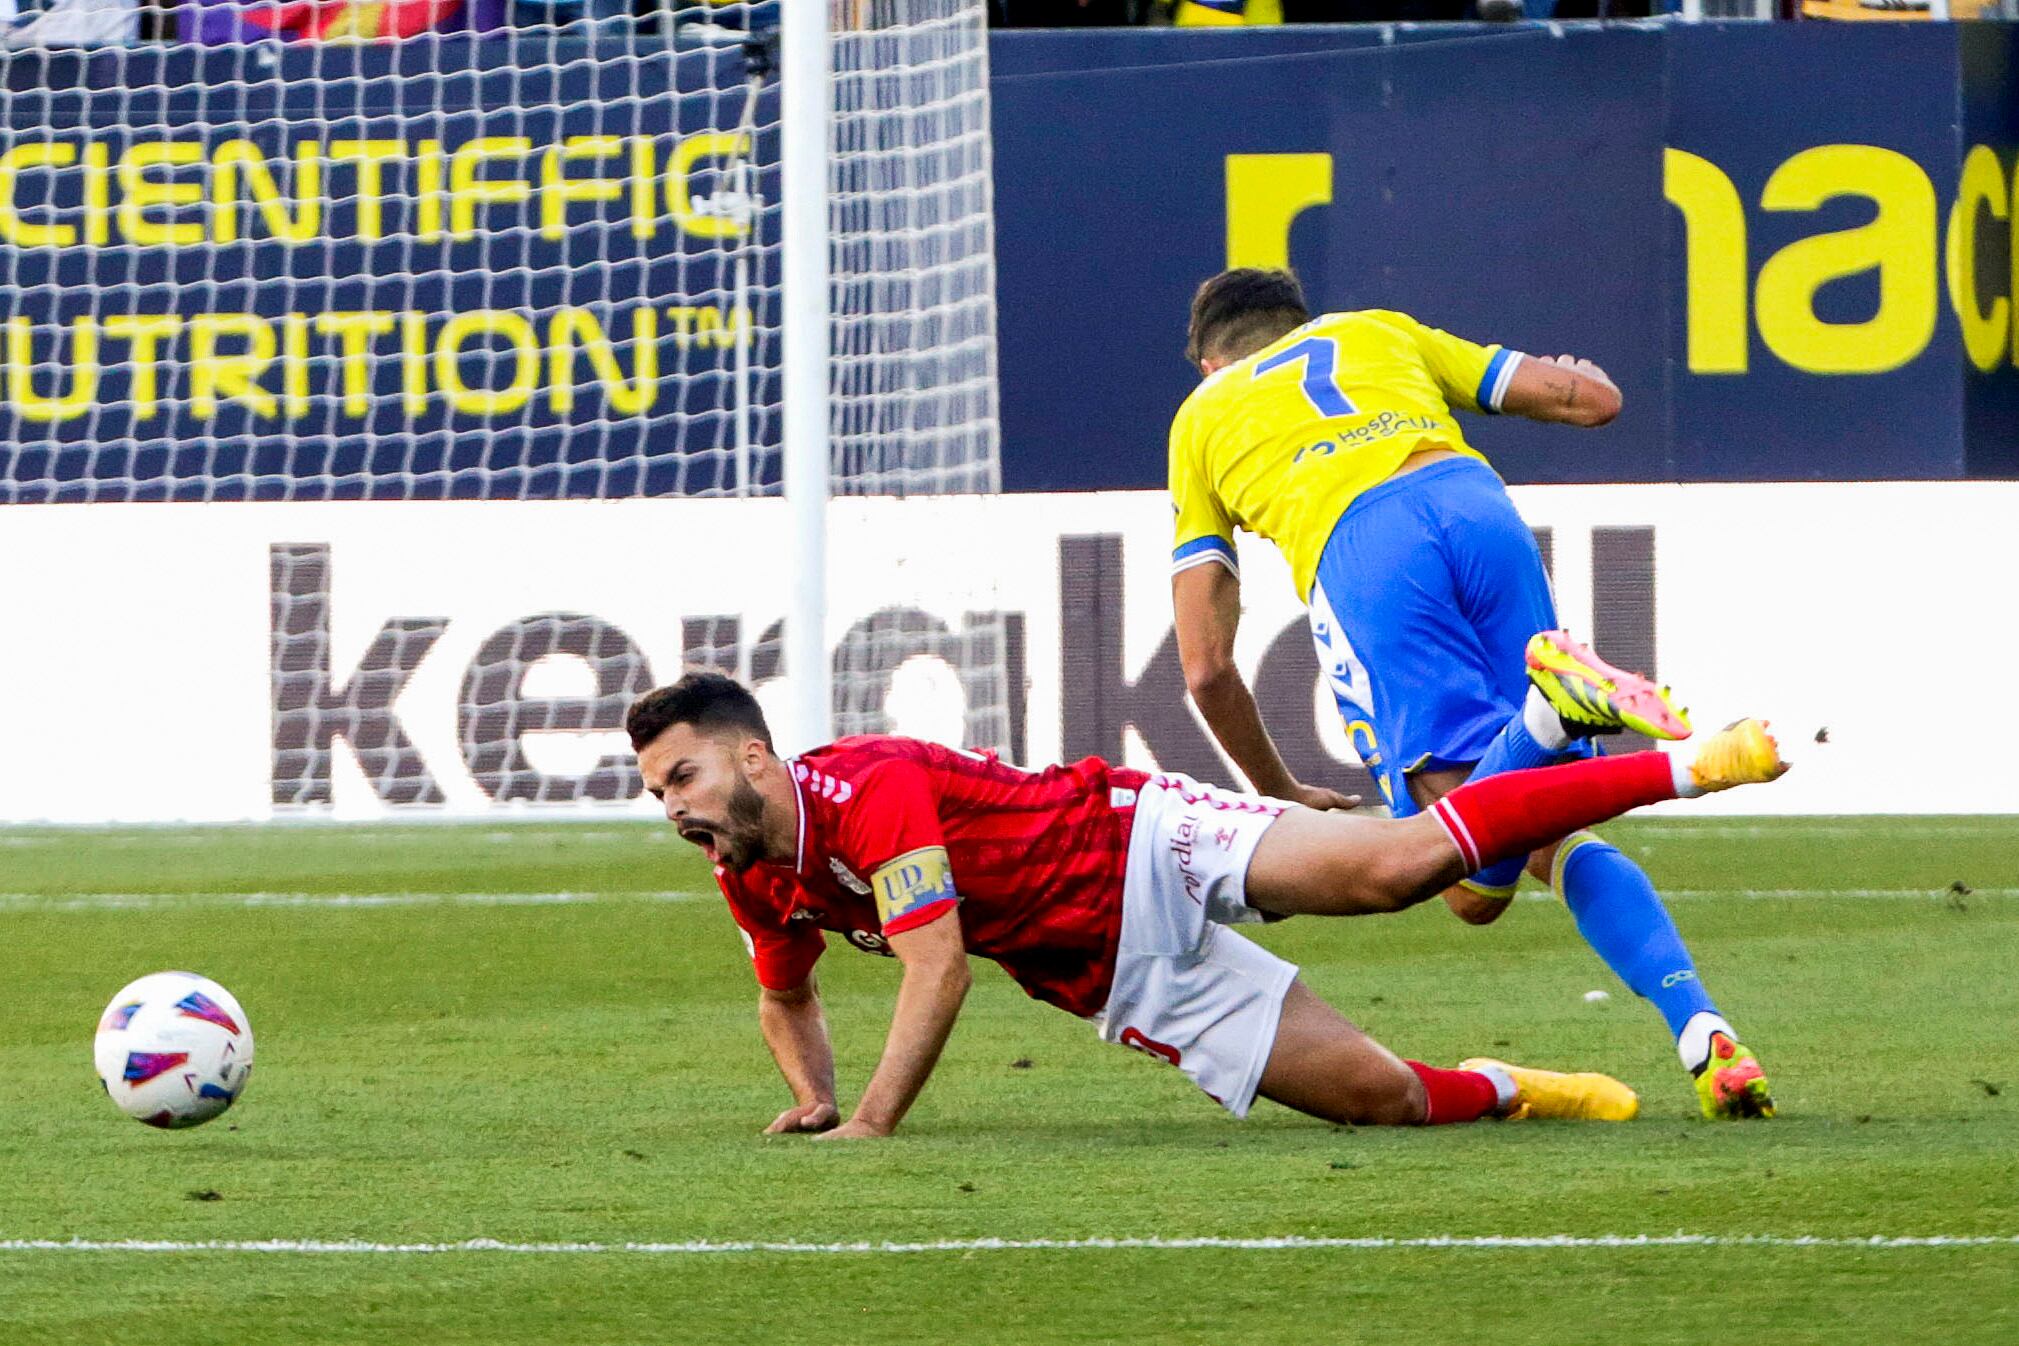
x=174, y=1049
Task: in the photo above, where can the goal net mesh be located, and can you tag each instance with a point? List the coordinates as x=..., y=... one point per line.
x=540, y=262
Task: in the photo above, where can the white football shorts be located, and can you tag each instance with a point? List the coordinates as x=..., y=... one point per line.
x=1187, y=990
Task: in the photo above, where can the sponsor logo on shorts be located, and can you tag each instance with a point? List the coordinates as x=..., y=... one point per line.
x=1183, y=839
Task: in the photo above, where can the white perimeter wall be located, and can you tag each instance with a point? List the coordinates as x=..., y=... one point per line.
x=134, y=679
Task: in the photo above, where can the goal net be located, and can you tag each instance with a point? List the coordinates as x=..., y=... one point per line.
x=541, y=264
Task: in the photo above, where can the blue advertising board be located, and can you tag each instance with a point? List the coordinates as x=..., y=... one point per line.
x=1456, y=179
x=1805, y=331
x=1741, y=223
x=1794, y=270
x=197, y=245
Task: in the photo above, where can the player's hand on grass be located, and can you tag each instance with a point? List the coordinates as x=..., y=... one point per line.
x=854, y=1129
x=805, y=1117
x=1322, y=799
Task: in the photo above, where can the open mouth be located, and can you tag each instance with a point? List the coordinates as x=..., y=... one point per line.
x=703, y=838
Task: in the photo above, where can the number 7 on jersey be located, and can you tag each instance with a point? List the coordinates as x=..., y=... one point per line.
x=1320, y=358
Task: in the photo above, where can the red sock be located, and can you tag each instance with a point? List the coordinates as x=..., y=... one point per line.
x=1455, y=1095
x=1512, y=814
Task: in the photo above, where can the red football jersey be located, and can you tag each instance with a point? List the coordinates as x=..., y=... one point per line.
x=893, y=832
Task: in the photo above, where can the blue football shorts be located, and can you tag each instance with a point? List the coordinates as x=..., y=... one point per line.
x=1427, y=593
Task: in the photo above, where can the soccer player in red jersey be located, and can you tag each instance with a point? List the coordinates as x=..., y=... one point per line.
x=1108, y=892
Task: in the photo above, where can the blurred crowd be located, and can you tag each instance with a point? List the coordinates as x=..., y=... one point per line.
x=74, y=23
x=1228, y=13
x=83, y=23
x=80, y=23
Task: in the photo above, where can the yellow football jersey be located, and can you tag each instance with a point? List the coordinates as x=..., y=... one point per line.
x=1280, y=443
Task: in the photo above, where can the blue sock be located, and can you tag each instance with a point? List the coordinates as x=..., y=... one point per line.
x=1622, y=918
x=1513, y=749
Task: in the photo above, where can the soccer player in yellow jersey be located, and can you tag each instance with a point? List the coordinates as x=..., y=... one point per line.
x=1334, y=437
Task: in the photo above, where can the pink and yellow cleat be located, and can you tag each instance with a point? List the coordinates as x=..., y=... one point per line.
x=1591, y=697
x=1730, y=1083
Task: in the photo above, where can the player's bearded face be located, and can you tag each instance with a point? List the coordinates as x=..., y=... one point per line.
x=727, y=822
x=738, y=838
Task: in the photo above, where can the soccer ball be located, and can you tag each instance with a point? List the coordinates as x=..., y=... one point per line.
x=174, y=1049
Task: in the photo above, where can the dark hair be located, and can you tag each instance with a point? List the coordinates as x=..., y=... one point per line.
x=1238, y=312
x=708, y=701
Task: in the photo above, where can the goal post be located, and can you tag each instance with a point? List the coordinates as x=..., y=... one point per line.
x=911, y=223
x=806, y=118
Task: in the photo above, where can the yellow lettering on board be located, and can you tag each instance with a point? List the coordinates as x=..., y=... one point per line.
x=15, y=230
x=462, y=328
x=576, y=328
x=142, y=195
x=234, y=157
x=354, y=333
x=558, y=190
x=83, y=364
x=469, y=189
x=1714, y=261
x=143, y=333
x=370, y=157
x=1899, y=244
x=1265, y=195
x=214, y=374
x=1981, y=188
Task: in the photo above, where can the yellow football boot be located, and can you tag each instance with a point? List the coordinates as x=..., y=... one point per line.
x=1583, y=1097
x=1741, y=753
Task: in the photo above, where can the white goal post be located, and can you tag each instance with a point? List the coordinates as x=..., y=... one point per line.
x=806, y=118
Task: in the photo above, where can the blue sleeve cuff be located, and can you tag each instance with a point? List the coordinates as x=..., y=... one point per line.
x=1493, y=383
x=1203, y=551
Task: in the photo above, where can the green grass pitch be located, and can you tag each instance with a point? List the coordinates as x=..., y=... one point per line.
x=435, y=1065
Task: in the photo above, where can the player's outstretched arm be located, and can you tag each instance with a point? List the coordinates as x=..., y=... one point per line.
x=795, y=1029
x=935, y=983
x=1564, y=390
x=1206, y=600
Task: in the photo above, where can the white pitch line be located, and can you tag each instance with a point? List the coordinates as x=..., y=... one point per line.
x=1931, y=894
x=370, y=901
x=1286, y=1243
x=156, y=901
x=1681, y=829
x=156, y=836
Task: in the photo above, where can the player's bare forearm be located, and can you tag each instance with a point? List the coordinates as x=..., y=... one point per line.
x=1564, y=390
x=1235, y=719
x=935, y=983
x=795, y=1029
x=1206, y=601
